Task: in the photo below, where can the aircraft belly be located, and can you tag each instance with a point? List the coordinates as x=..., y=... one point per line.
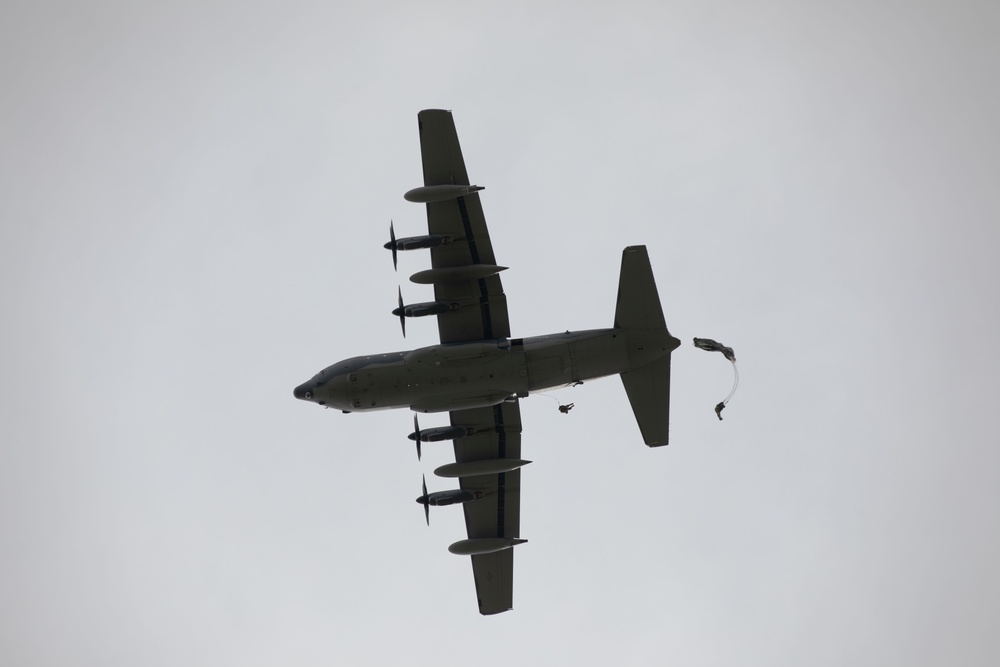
x=598, y=356
x=549, y=366
x=562, y=359
x=445, y=378
x=381, y=389
x=441, y=378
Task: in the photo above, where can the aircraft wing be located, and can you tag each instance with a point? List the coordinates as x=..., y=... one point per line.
x=482, y=315
x=498, y=512
x=483, y=311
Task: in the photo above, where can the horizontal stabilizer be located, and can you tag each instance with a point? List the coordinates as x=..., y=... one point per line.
x=638, y=301
x=648, y=389
x=639, y=314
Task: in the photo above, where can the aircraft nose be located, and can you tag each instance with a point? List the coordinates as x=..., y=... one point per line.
x=302, y=393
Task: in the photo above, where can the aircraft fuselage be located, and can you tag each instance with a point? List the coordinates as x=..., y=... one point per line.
x=459, y=376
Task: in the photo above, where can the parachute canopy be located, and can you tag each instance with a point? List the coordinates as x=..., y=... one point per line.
x=710, y=345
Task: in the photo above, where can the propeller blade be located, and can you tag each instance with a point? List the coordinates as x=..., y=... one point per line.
x=402, y=315
x=416, y=432
x=427, y=505
x=392, y=245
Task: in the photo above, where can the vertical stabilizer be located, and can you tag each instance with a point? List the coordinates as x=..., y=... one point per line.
x=640, y=316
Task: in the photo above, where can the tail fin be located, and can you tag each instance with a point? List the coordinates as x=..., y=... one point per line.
x=639, y=315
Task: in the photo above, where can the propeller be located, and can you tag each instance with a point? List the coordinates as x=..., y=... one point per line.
x=399, y=311
x=426, y=504
x=391, y=245
x=416, y=435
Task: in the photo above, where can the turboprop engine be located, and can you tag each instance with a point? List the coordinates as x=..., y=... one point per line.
x=441, y=498
x=419, y=309
x=418, y=242
x=436, y=433
x=425, y=308
x=414, y=242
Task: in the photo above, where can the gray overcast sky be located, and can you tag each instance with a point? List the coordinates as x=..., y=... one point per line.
x=193, y=198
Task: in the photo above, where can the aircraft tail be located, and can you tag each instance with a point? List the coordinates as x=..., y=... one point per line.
x=640, y=316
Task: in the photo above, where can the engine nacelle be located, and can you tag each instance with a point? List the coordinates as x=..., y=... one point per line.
x=432, y=193
x=457, y=496
x=419, y=242
x=438, y=433
x=425, y=308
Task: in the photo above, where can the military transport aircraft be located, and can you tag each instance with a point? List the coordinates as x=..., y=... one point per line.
x=478, y=372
